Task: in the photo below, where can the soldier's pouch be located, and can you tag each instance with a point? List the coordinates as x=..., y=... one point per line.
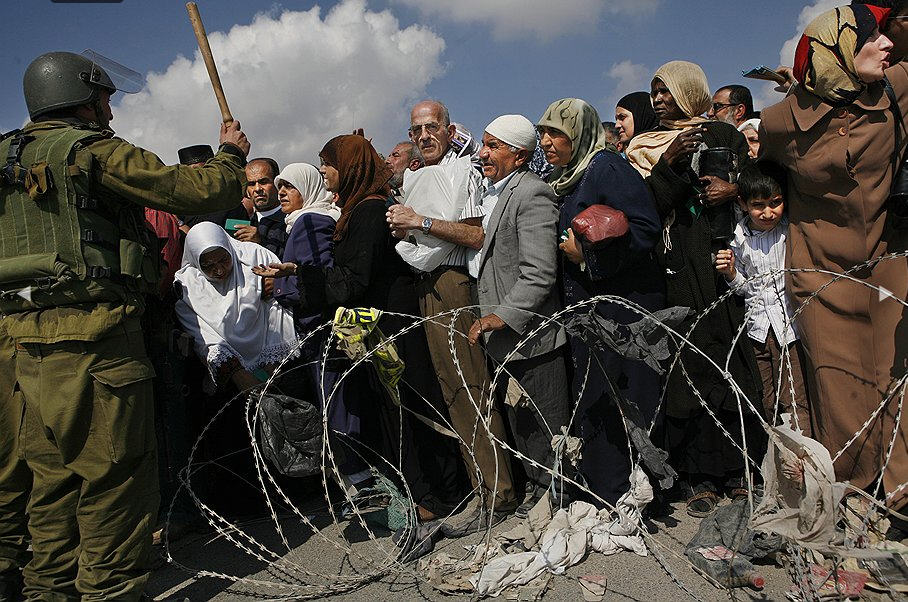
x=123, y=396
x=38, y=180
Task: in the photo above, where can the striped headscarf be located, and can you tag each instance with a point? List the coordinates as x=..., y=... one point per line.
x=581, y=123
x=824, y=59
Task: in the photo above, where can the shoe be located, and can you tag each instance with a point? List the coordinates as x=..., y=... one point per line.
x=366, y=499
x=530, y=499
x=702, y=504
x=475, y=517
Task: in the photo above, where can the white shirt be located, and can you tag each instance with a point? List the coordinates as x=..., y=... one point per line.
x=262, y=214
x=486, y=205
x=759, y=261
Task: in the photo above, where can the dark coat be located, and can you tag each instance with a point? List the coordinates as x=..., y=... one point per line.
x=309, y=243
x=625, y=268
x=272, y=231
x=692, y=281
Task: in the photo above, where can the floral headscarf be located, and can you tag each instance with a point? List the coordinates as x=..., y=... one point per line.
x=824, y=60
x=581, y=123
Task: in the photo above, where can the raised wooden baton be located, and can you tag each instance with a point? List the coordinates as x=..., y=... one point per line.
x=202, y=38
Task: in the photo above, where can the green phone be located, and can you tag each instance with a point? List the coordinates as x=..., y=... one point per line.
x=231, y=224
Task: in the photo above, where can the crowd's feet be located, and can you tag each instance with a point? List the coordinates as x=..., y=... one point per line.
x=479, y=515
x=702, y=497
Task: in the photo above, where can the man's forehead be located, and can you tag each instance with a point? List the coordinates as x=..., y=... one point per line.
x=722, y=95
x=258, y=169
x=426, y=113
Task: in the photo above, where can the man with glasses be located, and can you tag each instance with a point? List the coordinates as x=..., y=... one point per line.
x=732, y=104
x=443, y=203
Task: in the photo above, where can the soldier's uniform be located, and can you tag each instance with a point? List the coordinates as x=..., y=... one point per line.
x=75, y=261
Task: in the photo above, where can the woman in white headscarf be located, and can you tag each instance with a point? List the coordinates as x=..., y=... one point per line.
x=311, y=216
x=236, y=331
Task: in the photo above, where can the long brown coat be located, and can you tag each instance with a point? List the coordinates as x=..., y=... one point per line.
x=839, y=174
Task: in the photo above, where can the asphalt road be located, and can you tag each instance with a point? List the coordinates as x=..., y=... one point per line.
x=344, y=562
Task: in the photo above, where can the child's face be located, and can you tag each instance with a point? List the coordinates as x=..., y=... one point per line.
x=765, y=214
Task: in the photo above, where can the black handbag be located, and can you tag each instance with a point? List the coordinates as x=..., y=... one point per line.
x=897, y=205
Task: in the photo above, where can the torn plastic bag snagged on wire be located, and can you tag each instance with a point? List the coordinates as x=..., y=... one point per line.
x=801, y=496
x=290, y=434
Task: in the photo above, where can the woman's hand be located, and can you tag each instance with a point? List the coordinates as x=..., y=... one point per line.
x=684, y=145
x=717, y=191
x=267, y=288
x=275, y=270
x=571, y=248
x=790, y=80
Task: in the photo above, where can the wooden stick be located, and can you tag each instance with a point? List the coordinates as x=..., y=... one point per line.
x=202, y=38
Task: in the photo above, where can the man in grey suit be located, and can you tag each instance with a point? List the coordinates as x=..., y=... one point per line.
x=516, y=275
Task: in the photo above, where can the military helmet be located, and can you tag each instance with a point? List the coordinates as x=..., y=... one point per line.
x=58, y=80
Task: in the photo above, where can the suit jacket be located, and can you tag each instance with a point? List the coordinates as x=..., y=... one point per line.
x=519, y=267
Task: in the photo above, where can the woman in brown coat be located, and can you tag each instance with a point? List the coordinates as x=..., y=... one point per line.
x=835, y=136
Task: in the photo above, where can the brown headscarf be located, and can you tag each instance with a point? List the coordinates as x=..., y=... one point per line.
x=362, y=174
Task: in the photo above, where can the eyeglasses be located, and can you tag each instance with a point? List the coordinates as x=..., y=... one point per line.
x=431, y=129
x=718, y=106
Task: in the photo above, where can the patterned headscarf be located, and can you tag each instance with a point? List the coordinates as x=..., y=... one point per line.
x=824, y=60
x=362, y=174
x=581, y=123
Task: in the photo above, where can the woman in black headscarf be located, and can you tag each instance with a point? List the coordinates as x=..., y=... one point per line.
x=634, y=115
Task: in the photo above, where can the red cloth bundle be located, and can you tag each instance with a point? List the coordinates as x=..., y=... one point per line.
x=599, y=224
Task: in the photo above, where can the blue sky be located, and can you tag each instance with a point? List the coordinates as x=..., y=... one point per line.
x=295, y=78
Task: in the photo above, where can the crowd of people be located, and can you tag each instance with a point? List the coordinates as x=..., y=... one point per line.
x=118, y=325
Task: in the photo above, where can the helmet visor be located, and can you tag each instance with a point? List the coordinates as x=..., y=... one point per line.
x=122, y=78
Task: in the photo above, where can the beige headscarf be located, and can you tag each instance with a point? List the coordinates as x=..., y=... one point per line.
x=687, y=83
x=581, y=123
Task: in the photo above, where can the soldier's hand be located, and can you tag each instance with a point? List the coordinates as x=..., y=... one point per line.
x=247, y=234
x=232, y=134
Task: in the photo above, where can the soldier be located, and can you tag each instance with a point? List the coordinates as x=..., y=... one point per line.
x=75, y=261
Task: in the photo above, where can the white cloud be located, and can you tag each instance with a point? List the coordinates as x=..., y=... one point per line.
x=294, y=80
x=768, y=96
x=629, y=77
x=544, y=18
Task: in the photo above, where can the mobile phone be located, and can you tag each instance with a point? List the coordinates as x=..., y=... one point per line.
x=231, y=224
x=765, y=73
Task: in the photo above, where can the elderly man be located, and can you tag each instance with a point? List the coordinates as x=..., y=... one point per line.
x=517, y=273
x=732, y=104
x=403, y=157
x=446, y=195
x=267, y=226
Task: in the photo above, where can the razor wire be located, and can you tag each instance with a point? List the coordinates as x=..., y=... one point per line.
x=294, y=579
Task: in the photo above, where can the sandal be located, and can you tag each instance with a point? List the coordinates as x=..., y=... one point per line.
x=702, y=504
x=737, y=493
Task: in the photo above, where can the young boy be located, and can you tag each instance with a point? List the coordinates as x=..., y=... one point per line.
x=752, y=268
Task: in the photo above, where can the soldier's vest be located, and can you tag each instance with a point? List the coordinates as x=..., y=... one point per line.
x=62, y=240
